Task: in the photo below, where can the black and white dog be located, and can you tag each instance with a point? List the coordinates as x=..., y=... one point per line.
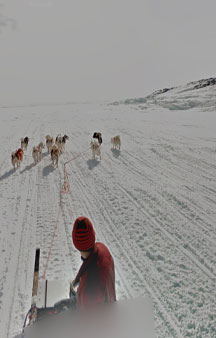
x=60, y=141
x=98, y=136
x=95, y=147
x=24, y=142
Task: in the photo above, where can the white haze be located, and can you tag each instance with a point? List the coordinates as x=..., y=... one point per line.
x=102, y=50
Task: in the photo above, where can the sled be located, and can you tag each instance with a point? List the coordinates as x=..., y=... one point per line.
x=53, y=314
x=122, y=319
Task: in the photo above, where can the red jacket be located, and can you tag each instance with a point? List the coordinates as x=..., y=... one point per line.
x=96, y=278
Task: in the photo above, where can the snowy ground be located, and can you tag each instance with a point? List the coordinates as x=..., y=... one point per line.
x=153, y=204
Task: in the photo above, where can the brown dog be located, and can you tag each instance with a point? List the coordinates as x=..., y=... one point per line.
x=17, y=157
x=55, y=155
x=116, y=142
x=49, y=143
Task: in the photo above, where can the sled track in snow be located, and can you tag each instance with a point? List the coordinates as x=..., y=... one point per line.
x=91, y=211
x=97, y=208
x=187, y=208
x=66, y=217
x=168, y=173
x=83, y=199
x=207, y=268
x=23, y=179
x=203, y=269
x=182, y=176
x=47, y=209
x=18, y=223
x=158, y=225
x=141, y=206
x=21, y=259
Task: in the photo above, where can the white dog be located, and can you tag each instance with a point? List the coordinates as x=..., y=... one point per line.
x=116, y=142
x=95, y=147
x=37, y=153
x=40, y=147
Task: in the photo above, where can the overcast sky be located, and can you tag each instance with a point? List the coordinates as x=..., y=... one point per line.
x=79, y=50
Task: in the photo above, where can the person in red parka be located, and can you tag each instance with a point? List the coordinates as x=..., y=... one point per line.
x=96, y=277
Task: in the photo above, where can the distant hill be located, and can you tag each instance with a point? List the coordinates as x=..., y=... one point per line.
x=201, y=94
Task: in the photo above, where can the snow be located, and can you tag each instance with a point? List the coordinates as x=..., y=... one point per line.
x=153, y=203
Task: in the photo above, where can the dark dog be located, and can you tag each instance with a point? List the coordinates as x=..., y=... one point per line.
x=55, y=155
x=98, y=136
x=24, y=142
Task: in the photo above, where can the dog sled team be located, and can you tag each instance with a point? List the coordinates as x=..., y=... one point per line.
x=55, y=148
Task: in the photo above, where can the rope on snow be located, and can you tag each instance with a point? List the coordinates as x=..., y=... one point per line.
x=65, y=189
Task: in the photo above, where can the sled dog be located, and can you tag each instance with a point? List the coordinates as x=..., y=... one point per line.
x=98, y=136
x=116, y=142
x=95, y=147
x=37, y=153
x=24, y=143
x=60, y=141
x=17, y=157
x=55, y=155
x=49, y=143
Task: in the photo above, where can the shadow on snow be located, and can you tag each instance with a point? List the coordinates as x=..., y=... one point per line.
x=116, y=152
x=45, y=154
x=48, y=170
x=28, y=167
x=7, y=174
x=92, y=164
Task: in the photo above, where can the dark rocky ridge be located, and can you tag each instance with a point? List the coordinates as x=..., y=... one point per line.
x=195, y=85
x=203, y=83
